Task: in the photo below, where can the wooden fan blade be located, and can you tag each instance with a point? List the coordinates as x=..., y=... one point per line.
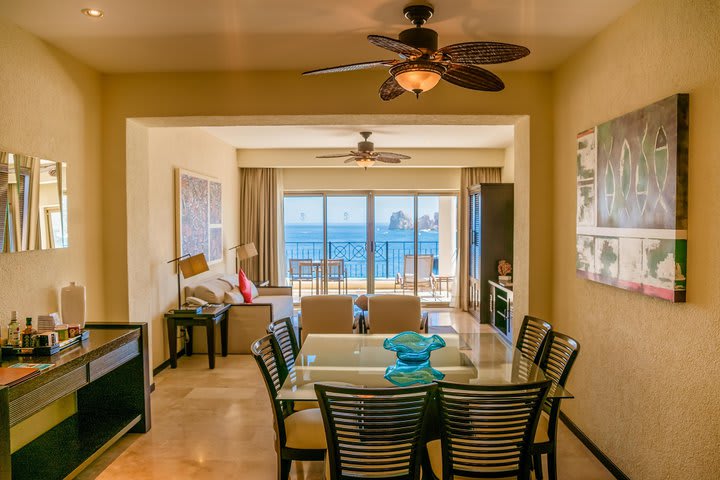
x=350, y=160
x=387, y=160
x=390, y=89
x=483, y=53
x=353, y=66
x=394, y=46
x=399, y=156
x=475, y=78
x=336, y=155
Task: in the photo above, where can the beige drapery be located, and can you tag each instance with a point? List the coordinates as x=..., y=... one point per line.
x=260, y=216
x=468, y=178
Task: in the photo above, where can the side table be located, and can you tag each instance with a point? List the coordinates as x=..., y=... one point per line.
x=208, y=318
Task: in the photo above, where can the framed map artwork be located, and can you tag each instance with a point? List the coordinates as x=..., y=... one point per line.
x=631, y=215
x=198, y=215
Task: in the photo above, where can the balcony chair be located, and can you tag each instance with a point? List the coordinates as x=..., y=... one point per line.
x=336, y=272
x=374, y=433
x=486, y=431
x=532, y=338
x=425, y=277
x=298, y=435
x=300, y=269
x=395, y=314
x=557, y=361
x=326, y=314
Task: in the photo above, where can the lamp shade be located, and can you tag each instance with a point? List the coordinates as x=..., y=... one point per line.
x=193, y=265
x=417, y=77
x=246, y=251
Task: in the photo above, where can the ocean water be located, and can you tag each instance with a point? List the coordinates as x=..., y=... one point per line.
x=348, y=241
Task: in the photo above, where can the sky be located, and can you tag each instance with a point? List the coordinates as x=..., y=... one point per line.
x=353, y=209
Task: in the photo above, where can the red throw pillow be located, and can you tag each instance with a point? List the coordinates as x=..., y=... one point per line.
x=245, y=286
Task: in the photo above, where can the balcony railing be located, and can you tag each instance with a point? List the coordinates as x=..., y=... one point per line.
x=389, y=256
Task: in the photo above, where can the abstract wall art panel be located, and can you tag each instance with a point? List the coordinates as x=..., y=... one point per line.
x=631, y=211
x=199, y=215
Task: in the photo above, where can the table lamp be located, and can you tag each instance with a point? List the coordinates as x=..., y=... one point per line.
x=243, y=252
x=189, y=266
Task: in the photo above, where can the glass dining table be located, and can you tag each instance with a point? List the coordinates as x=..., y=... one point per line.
x=361, y=360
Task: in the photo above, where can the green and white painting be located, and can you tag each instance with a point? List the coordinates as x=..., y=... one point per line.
x=632, y=200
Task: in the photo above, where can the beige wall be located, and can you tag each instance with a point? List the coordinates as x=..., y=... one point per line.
x=194, y=150
x=324, y=179
x=647, y=379
x=219, y=95
x=51, y=109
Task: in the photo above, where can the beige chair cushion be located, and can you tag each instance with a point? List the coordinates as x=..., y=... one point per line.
x=326, y=314
x=541, y=434
x=304, y=429
x=394, y=313
x=305, y=405
x=434, y=449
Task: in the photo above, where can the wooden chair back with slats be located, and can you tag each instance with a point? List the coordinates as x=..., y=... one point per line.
x=374, y=432
x=488, y=431
x=268, y=356
x=532, y=338
x=284, y=333
x=557, y=362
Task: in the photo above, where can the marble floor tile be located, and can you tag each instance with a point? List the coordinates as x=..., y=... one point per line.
x=217, y=424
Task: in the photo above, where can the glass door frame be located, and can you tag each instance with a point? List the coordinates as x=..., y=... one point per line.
x=370, y=224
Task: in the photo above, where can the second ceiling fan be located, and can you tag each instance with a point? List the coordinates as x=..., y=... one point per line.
x=365, y=156
x=422, y=64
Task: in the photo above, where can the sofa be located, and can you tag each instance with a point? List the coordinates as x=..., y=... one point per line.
x=246, y=321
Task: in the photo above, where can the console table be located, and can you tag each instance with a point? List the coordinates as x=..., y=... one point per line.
x=109, y=373
x=208, y=318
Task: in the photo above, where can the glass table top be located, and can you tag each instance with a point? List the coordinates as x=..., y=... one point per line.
x=351, y=359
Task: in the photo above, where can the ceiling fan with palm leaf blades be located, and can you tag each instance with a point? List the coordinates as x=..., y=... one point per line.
x=422, y=64
x=365, y=156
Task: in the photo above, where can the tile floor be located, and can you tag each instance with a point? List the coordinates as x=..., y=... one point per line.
x=216, y=424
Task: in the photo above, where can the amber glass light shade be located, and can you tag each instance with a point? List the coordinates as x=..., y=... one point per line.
x=418, y=77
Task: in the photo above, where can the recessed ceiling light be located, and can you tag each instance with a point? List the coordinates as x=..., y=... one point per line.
x=92, y=12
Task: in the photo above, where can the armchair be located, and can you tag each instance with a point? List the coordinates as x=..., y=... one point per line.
x=425, y=277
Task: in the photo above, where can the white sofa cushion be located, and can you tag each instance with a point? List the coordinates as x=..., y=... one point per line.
x=234, y=297
x=282, y=305
x=212, y=291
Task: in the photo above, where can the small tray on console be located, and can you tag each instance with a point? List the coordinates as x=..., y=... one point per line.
x=8, y=351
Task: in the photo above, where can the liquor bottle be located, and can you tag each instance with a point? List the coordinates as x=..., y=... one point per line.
x=28, y=333
x=13, y=338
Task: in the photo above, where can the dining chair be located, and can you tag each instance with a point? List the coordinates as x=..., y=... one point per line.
x=284, y=332
x=374, y=432
x=336, y=272
x=486, y=431
x=557, y=361
x=532, y=338
x=326, y=314
x=298, y=435
x=300, y=269
x=395, y=314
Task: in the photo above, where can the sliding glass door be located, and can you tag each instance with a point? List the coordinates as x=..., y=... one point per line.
x=372, y=243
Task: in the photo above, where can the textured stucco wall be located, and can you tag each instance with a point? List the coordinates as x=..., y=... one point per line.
x=200, y=152
x=51, y=108
x=648, y=376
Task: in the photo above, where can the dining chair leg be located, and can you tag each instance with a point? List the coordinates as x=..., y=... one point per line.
x=284, y=469
x=537, y=466
x=552, y=464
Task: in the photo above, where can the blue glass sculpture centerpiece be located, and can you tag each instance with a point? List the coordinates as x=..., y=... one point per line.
x=412, y=347
x=413, y=363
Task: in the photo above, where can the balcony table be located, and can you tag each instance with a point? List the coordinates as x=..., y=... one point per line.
x=362, y=360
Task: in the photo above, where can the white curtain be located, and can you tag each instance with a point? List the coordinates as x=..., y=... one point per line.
x=468, y=178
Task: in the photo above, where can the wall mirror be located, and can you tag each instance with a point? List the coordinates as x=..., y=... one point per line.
x=33, y=203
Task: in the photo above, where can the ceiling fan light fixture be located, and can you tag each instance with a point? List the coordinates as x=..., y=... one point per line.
x=92, y=12
x=417, y=77
x=365, y=162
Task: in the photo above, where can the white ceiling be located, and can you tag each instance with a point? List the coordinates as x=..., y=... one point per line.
x=345, y=137
x=199, y=35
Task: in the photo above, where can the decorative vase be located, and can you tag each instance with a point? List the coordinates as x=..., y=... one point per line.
x=72, y=300
x=505, y=278
x=413, y=348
